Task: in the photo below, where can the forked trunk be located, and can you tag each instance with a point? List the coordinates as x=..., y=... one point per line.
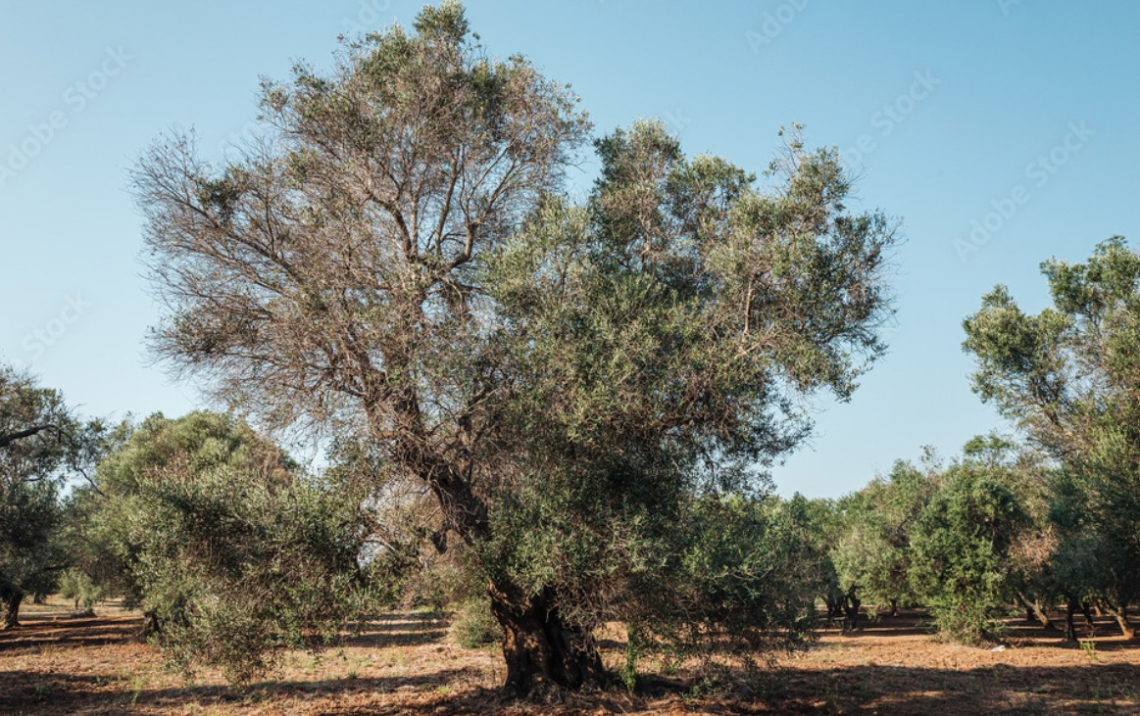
x=12, y=600
x=543, y=653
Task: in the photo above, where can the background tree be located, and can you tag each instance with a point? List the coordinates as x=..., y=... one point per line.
x=229, y=548
x=961, y=546
x=398, y=260
x=1070, y=377
x=38, y=436
x=872, y=549
x=1033, y=578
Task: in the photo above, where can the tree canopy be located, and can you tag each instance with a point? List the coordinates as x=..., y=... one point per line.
x=400, y=257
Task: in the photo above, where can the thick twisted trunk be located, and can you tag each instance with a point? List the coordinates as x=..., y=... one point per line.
x=543, y=652
x=12, y=600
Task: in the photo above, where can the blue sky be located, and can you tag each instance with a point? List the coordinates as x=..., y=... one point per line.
x=1002, y=133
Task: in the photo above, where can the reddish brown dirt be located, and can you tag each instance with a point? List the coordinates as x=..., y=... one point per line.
x=407, y=664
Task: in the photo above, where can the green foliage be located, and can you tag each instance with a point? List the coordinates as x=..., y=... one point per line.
x=744, y=581
x=474, y=625
x=872, y=551
x=961, y=545
x=78, y=586
x=566, y=380
x=1070, y=377
x=40, y=442
x=31, y=555
x=235, y=553
x=647, y=370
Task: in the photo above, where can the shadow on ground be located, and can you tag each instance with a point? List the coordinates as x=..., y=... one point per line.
x=449, y=682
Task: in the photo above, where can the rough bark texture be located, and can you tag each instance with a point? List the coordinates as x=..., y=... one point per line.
x=12, y=602
x=542, y=651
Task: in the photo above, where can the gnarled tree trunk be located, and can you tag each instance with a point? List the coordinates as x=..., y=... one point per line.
x=543, y=652
x=12, y=600
x=150, y=626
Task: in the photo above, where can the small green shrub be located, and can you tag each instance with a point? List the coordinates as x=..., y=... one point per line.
x=80, y=588
x=474, y=625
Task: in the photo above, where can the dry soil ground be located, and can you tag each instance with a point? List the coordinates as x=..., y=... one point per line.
x=408, y=664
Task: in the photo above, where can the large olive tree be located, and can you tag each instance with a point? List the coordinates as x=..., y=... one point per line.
x=399, y=258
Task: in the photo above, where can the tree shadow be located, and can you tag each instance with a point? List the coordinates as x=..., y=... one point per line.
x=38, y=632
x=399, y=629
x=998, y=689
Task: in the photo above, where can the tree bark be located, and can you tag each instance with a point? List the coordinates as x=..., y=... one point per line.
x=1120, y=614
x=7, y=439
x=1034, y=612
x=894, y=607
x=543, y=652
x=12, y=601
x=1086, y=610
x=851, y=604
x=1070, y=627
x=150, y=626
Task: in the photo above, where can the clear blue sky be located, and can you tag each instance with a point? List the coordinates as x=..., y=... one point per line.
x=944, y=108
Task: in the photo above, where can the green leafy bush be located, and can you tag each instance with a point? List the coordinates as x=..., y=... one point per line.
x=474, y=625
x=961, y=546
x=233, y=553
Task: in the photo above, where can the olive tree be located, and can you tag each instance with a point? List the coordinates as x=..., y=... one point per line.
x=399, y=258
x=38, y=435
x=872, y=549
x=1070, y=377
x=961, y=548
x=232, y=552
